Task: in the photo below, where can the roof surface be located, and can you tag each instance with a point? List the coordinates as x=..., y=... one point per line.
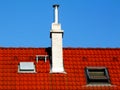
x=75, y=61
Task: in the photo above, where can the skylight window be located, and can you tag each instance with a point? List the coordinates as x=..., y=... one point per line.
x=97, y=75
x=26, y=67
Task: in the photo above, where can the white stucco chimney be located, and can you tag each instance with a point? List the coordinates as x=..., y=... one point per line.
x=56, y=35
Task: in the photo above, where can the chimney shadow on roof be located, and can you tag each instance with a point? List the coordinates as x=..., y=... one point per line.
x=48, y=50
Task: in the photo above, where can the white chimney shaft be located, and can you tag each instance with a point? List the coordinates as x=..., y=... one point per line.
x=56, y=13
x=56, y=34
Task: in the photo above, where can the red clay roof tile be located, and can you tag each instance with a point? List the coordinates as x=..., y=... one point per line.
x=75, y=61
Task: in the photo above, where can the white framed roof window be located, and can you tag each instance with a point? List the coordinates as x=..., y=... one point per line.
x=26, y=67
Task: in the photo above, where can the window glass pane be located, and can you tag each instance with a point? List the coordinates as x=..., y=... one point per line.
x=26, y=67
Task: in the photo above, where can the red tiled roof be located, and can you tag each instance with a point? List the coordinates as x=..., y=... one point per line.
x=75, y=61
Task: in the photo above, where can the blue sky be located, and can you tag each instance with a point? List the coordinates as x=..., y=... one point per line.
x=86, y=23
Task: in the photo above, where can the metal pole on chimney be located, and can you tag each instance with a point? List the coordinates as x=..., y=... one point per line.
x=56, y=13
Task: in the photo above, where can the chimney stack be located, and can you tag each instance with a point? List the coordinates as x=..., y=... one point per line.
x=56, y=35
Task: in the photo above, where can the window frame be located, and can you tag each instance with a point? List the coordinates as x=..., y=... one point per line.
x=102, y=79
x=26, y=70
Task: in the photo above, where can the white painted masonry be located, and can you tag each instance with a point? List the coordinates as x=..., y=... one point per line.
x=56, y=35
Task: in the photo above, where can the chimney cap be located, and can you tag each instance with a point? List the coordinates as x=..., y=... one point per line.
x=55, y=5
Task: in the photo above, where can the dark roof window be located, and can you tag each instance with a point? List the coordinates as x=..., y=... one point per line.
x=97, y=75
